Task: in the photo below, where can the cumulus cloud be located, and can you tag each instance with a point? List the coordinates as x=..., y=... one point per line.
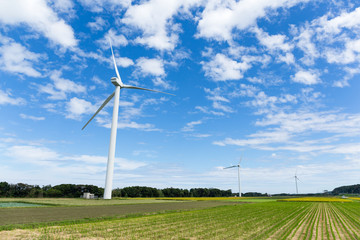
x=15, y=58
x=345, y=20
x=272, y=42
x=77, y=107
x=220, y=18
x=306, y=77
x=350, y=54
x=38, y=16
x=154, y=19
x=124, y=62
x=223, y=68
x=150, y=66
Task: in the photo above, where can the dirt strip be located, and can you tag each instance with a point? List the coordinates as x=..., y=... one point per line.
x=10, y=216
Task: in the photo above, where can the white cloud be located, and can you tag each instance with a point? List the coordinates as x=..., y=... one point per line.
x=25, y=116
x=265, y=103
x=37, y=15
x=306, y=44
x=117, y=40
x=218, y=102
x=306, y=132
x=276, y=44
x=77, y=107
x=125, y=164
x=220, y=18
x=139, y=126
x=222, y=68
x=64, y=6
x=207, y=111
x=306, y=77
x=154, y=19
x=15, y=58
x=5, y=98
x=32, y=154
x=190, y=126
x=60, y=86
x=345, y=20
x=272, y=42
x=122, y=163
x=54, y=94
x=98, y=81
x=98, y=25
x=350, y=54
x=124, y=62
x=65, y=85
x=100, y=5
x=151, y=66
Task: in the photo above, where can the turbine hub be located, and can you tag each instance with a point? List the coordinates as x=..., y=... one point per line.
x=115, y=81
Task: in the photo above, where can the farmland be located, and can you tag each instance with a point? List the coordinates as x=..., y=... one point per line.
x=262, y=220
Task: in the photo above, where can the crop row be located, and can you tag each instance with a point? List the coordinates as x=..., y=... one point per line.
x=272, y=220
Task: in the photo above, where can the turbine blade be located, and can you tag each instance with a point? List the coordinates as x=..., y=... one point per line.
x=230, y=167
x=113, y=57
x=101, y=107
x=139, y=88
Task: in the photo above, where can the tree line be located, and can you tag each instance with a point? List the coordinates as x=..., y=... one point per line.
x=77, y=190
x=352, y=189
x=35, y=191
x=138, y=191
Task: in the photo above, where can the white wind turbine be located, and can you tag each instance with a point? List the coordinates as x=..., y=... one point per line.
x=296, y=179
x=238, y=166
x=118, y=85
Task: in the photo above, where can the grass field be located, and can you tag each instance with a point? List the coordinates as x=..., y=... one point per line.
x=221, y=219
x=231, y=199
x=315, y=199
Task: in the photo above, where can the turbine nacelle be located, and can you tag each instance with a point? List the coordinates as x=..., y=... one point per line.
x=116, y=81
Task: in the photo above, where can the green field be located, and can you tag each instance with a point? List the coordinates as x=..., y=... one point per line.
x=262, y=220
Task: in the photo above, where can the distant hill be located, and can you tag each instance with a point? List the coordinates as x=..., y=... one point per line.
x=352, y=189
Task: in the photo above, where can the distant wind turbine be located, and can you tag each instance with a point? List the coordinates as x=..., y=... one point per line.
x=296, y=185
x=238, y=166
x=118, y=85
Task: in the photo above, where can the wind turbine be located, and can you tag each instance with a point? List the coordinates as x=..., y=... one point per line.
x=296, y=179
x=238, y=166
x=110, y=163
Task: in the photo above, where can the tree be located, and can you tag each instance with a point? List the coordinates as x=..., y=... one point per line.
x=4, y=189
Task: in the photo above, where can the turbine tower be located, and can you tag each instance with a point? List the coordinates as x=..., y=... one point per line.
x=238, y=166
x=110, y=163
x=296, y=185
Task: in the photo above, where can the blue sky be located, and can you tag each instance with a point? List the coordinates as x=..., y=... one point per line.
x=276, y=82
